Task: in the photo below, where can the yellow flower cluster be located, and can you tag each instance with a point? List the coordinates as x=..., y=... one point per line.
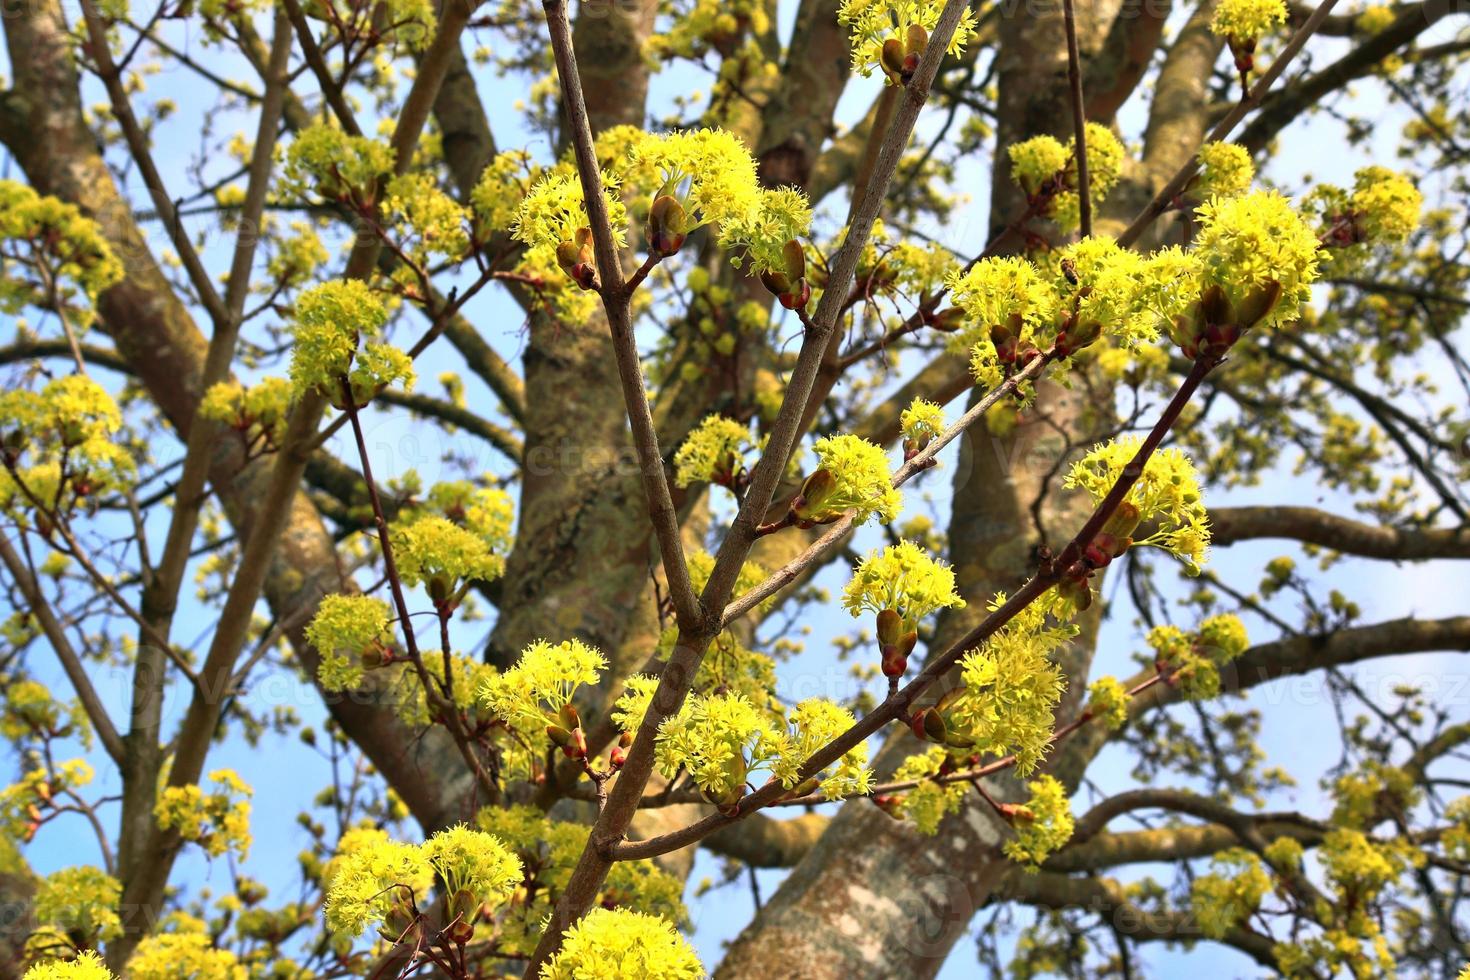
x=1009, y=689
x=877, y=25
x=852, y=475
x=1230, y=893
x=443, y=555
x=549, y=851
x=328, y=323
x=1104, y=168
x=623, y=943
x=51, y=235
x=1046, y=170
x=709, y=24
x=713, y=453
x=920, y=423
x=432, y=222
x=169, y=955
x=1246, y=20
x=338, y=167
x=1165, y=497
x=1107, y=701
x=258, y=413
x=352, y=634
x=22, y=802
x=1226, y=170
x=381, y=881
x=1042, y=825
x=552, y=220
x=218, y=821
x=28, y=710
x=530, y=695
x=82, y=902
x=721, y=738
x=86, y=966
x=903, y=578
x=1383, y=207
x=297, y=256
x=62, y=444
x=928, y=803
x=1193, y=660
x=1260, y=254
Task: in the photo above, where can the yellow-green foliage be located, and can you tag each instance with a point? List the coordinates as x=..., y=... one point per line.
x=259, y=412
x=720, y=739
x=335, y=165
x=874, y=22
x=1226, y=170
x=1250, y=241
x=548, y=850
x=172, y=955
x=713, y=453
x=329, y=321
x=382, y=881
x=1246, y=20
x=82, y=902
x=63, y=446
x=1192, y=660
x=528, y=696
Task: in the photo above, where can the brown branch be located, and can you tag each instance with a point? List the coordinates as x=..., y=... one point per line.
x=1229, y=525
x=690, y=646
x=1079, y=118
x=65, y=652
x=616, y=296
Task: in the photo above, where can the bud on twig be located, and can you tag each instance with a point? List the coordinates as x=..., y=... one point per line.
x=576, y=259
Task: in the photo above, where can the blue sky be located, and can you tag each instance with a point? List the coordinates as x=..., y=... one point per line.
x=1298, y=728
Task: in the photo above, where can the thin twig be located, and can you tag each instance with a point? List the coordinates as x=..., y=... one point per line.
x=1079, y=120
x=1170, y=191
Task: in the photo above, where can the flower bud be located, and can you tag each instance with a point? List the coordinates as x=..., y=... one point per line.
x=1124, y=520
x=463, y=909
x=795, y=258
x=892, y=59
x=810, y=503
x=1259, y=302
x=1076, y=591
x=927, y=724
x=948, y=321
x=619, y=753
x=667, y=226
x=797, y=297
x=1016, y=812
x=576, y=259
